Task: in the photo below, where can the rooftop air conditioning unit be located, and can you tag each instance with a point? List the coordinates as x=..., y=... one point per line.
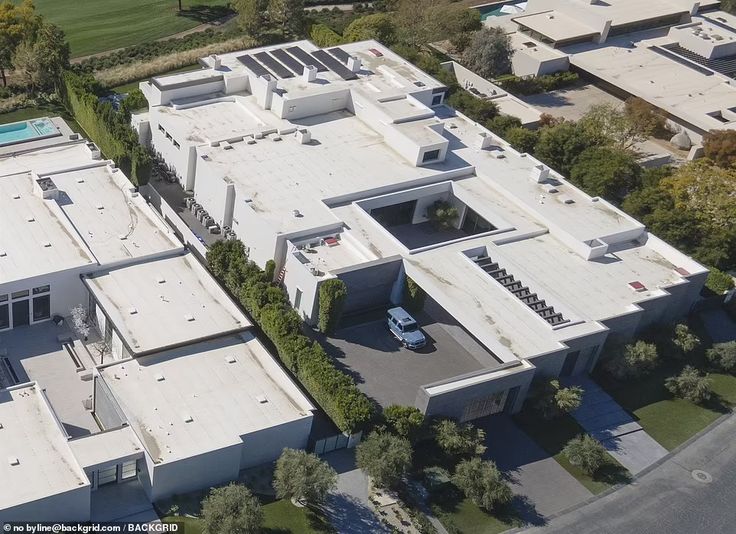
x=304, y=136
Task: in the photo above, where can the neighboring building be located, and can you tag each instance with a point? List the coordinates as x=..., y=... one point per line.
x=79, y=415
x=678, y=55
x=329, y=162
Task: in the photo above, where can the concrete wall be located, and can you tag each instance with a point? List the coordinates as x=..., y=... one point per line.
x=266, y=445
x=197, y=472
x=177, y=158
x=298, y=277
x=157, y=97
x=254, y=232
x=370, y=286
x=71, y=505
x=453, y=401
x=217, y=195
x=105, y=407
x=293, y=108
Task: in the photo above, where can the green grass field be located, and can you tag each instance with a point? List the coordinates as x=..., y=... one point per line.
x=97, y=25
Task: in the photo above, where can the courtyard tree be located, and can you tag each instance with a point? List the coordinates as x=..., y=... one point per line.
x=442, y=215
x=560, y=145
x=386, y=458
x=623, y=129
x=232, y=509
x=645, y=118
x=404, y=421
x=459, y=439
x=332, y=296
x=488, y=53
x=720, y=146
x=684, y=340
x=303, y=477
x=552, y=400
x=414, y=296
x=723, y=356
x=606, y=171
x=690, y=385
x=587, y=453
x=634, y=361
x=482, y=483
x=80, y=325
x=522, y=139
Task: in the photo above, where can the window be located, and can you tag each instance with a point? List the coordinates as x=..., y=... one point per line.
x=4, y=317
x=20, y=294
x=128, y=470
x=41, y=307
x=430, y=155
x=3, y=298
x=109, y=475
x=40, y=290
x=176, y=144
x=161, y=128
x=436, y=100
x=297, y=298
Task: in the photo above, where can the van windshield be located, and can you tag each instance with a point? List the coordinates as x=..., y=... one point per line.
x=410, y=327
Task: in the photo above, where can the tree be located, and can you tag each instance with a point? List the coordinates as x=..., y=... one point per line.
x=607, y=172
x=40, y=62
x=552, y=400
x=414, y=296
x=720, y=146
x=690, y=385
x=459, y=439
x=522, y=139
x=442, y=215
x=478, y=110
x=404, y=421
x=482, y=483
x=332, y=296
x=501, y=124
x=586, y=452
x=232, y=509
x=250, y=16
x=636, y=360
x=723, y=356
x=645, y=118
x=718, y=281
x=18, y=23
x=303, y=477
x=287, y=14
x=684, y=339
x=559, y=146
x=488, y=53
x=378, y=26
x=419, y=22
x=386, y=458
x=79, y=321
x=611, y=122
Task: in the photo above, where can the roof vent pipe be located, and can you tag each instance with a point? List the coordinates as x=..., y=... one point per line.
x=354, y=64
x=540, y=173
x=304, y=136
x=216, y=61
x=310, y=73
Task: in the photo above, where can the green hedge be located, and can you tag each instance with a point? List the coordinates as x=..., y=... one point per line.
x=332, y=295
x=537, y=84
x=110, y=130
x=269, y=306
x=414, y=296
x=322, y=35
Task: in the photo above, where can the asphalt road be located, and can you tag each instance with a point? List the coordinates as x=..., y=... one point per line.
x=668, y=499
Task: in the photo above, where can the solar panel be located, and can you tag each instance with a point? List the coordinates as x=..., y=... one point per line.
x=288, y=60
x=305, y=58
x=340, y=54
x=334, y=65
x=252, y=64
x=275, y=66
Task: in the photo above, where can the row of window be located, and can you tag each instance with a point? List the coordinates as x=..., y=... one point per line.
x=168, y=136
x=20, y=307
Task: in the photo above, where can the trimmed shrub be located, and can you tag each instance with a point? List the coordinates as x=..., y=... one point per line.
x=636, y=361
x=690, y=385
x=324, y=36
x=332, y=295
x=684, y=340
x=552, y=400
x=482, y=483
x=718, y=281
x=537, y=84
x=442, y=215
x=723, y=356
x=270, y=270
x=587, y=453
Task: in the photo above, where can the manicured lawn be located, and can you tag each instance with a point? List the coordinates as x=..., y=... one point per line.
x=97, y=25
x=553, y=435
x=467, y=518
x=279, y=517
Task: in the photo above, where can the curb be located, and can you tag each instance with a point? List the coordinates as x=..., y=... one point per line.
x=722, y=419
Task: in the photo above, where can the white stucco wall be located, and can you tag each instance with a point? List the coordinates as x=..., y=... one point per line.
x=72, y=505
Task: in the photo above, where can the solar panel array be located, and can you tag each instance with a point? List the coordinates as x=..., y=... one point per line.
x=305, y=58
x=252, y=64
x=275, y=66
x=288, y=60
x=334, y=65
x=340, y=54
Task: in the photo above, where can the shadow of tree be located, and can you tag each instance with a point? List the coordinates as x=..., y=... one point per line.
x=204, y=13
x=350, y=516
x=613, y=474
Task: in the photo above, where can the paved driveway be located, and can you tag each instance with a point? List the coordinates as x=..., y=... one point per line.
x=604, y=419
x=542, y=485
x=348, y=507
x=668, y=499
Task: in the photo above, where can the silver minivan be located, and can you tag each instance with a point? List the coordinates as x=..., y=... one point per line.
x=405, y=328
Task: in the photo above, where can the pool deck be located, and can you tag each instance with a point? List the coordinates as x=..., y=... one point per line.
x=42, y=142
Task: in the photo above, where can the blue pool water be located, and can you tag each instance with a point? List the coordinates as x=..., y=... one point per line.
x=24, y=131
x=490, y=11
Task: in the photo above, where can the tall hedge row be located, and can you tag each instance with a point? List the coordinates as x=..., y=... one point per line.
x=109, y=129
x=269, y=306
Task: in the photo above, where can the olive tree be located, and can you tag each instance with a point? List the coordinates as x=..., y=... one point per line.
x=458, y=439
x=384, y=457
x=303, y=477
x=231, y=509
x=586, y=452
x=488, y=52
x=482, y=483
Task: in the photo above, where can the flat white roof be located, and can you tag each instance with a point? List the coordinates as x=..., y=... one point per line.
x=167, y=302
x=203, y=397
x=32, y=440
x=106, y=447
x=555, y=25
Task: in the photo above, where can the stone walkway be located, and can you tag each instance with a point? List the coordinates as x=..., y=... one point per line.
x=604, y=419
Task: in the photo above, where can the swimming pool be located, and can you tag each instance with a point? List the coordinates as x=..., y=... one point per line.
x=490, y=11
x=17, y=132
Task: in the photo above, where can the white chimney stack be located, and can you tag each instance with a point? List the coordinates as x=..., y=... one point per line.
x=483, y=140
x=216, y=62
x=304, y=136
x=354, y=64
x=540, y=173
x=310, y=73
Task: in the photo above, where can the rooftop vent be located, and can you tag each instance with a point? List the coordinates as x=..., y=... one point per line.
x=262, y=399
x=310, y=73
x=276, y=138
x=539, y=173
x=13, y=460
x=160, y=279
x=250, y=141
x=1, y=426
x=80, y=180
x=637, y=286
x=3, y=253
x=16, y=196
x=45, y=188
x=226, y=145
x=30, y=218
x=679, y=270
x=100, y=207
x=230, y=359
x=304, y=136
x=354, y=64
x=46, y=244
x=187, y=418
x=189, y=317
x=375, y=52
x=160, y=378
x=132, y=310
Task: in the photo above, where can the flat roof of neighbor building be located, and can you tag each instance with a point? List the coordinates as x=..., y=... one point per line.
x=159, y=304
x=90, y=215
x=555, y=25
x=203, y=397
x=36, y=458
